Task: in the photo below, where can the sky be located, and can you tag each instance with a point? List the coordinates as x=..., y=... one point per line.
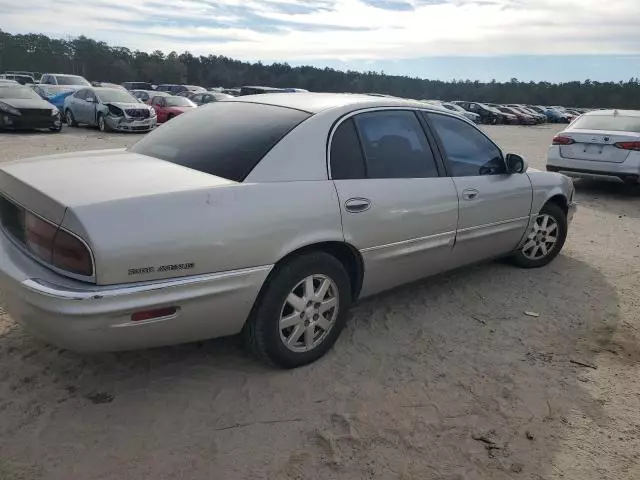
x=552, y=40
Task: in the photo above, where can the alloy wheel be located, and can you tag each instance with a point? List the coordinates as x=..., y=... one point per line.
x=542, y=237
x=101, y=124
x=309, y=312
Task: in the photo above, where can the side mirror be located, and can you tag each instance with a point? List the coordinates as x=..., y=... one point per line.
x=516, y=164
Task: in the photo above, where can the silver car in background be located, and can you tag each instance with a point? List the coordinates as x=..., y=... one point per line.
x=268, y=215
x=109, y=109
x=600, y=143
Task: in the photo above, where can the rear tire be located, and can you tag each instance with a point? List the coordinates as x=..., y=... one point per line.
x=70, y=119
x=544, y=240
x=56, y=129
x=295, y=322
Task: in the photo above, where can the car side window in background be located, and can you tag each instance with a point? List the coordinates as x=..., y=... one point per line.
x=395, y=145
x=81, y=94
x=468, y=151
x=347, y=161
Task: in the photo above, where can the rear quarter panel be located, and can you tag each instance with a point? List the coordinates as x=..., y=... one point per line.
x=204, y=231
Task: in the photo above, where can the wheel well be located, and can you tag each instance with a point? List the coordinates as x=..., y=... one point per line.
x=347, y=254
x=561, y=201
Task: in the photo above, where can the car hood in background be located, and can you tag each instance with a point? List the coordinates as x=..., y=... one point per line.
x=27, y=103
x=128, y=105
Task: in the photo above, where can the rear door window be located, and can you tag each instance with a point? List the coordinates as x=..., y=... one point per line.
x=395, y=145
x=227, y=139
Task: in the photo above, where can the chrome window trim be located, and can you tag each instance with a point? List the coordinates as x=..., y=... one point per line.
x=410, y=108
x=410, y=241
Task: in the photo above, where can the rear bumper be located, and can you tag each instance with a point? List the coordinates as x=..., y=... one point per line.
x=627, y=170
x=87, y=318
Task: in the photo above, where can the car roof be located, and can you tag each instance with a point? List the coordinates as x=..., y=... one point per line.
x=625, y=113
x=317, y=102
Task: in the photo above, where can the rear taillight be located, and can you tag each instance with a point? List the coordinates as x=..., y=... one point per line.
x=560, y=140
x=56, y=247
x=70, y=254
x=38, y=236
x=628, y=146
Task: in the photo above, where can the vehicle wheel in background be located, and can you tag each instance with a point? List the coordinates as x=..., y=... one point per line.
x=544, y=240
x=103, y=126
x=70, y=119
x=301, y=310
x=169, y=117
x=56, y=129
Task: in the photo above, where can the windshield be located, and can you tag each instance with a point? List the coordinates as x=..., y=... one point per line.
x=22, y=93
x=244, y=133
x=116, y=95
x=179, y=102
x=71, y=80
x=615, y=123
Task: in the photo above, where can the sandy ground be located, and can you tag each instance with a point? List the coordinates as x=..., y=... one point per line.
x=446, y=379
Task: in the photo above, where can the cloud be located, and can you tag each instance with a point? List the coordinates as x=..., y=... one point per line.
x=341, y=30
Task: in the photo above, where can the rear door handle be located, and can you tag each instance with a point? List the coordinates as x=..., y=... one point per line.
x=470, y=194
x=356, y=205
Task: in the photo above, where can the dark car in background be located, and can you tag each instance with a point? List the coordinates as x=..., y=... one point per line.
x=256, y=90
x=208, y=97
x=523, y=118
x=488, y=115
x=21, y=108
x=174, y=89
x=137, y=85
x=540, y=117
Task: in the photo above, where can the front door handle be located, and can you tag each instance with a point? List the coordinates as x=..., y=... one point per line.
x=356, y=205
x=470, y=194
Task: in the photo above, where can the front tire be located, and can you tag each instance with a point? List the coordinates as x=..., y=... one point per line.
x=70, y=119
x=301, y=311
x=55, y=129
x=544, y=240
x=103, y=126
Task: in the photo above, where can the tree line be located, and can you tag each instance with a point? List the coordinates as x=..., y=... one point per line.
x=101, y=62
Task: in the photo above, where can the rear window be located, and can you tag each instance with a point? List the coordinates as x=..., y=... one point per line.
x=226, y=139
x=616, y=123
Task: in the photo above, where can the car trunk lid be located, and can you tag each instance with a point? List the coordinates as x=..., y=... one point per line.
x=597, y=145
x=49, y=185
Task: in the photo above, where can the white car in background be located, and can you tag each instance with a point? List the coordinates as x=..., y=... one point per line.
x=599, y=143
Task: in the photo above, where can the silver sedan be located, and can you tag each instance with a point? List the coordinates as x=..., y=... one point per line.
x=268, y=215
x=599, y=143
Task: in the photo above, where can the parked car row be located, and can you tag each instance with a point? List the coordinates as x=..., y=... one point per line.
x=517, y=114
